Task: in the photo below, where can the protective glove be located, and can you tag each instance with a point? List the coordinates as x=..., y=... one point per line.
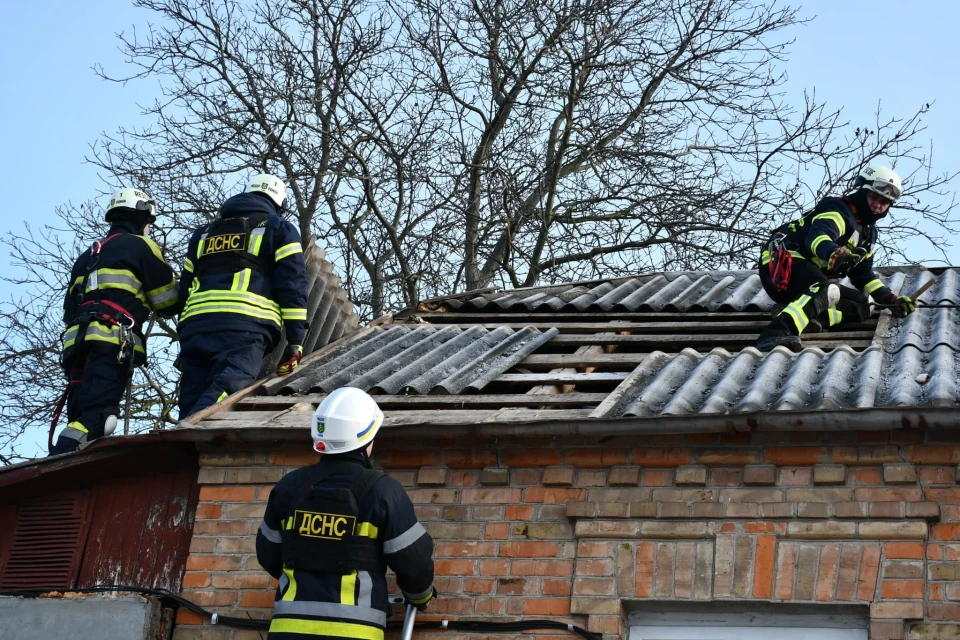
x=905, y=306
x=421, y=604
x=290, y=359
x=841, y=260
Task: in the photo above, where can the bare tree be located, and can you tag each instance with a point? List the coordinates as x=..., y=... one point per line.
x=435, y=146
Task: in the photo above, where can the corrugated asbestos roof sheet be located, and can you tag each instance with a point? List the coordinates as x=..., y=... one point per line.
x=671, y=291
x=913, y=362
x=721, y=382
x=422, y=359
x=330, y=313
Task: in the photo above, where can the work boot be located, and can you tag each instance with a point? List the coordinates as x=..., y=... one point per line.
x=771, y=338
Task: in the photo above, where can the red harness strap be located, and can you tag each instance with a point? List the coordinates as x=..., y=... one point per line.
x=112, y=305
x=781, y=267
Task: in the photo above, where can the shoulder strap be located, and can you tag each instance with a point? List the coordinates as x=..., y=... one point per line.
x=363, y=483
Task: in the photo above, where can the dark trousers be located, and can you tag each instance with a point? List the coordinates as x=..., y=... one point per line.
x=214, y=365
x=97, y=384
x=806, y=299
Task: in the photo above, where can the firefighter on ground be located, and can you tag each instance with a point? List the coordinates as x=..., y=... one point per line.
x=113, y=287
x=243, y=281
x=331, y=529
x=800, y=265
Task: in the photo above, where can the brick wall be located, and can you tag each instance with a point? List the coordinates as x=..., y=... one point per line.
x=576, y=529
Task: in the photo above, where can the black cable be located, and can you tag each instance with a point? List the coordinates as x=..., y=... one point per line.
x=264, y=625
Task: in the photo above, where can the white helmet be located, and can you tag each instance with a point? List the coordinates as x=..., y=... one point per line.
x=880, y=180
x=272, y=186
x=346, y=420
x=133, y=199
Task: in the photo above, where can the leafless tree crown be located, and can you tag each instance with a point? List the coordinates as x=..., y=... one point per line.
x=435, y=146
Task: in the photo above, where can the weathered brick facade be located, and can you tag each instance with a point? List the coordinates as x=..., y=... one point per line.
x=578, y=528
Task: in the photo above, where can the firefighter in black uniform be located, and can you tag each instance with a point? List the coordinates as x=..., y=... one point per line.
x=330, y=531
x=243, y=280
x=801, y=263
x=113, y=287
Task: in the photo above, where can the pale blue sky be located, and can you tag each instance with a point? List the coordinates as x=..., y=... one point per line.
x=855, y=53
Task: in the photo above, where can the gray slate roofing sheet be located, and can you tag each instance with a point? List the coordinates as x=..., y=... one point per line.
x=913, y=362
x=721, y=382
x=421, y=359
x=678, y=291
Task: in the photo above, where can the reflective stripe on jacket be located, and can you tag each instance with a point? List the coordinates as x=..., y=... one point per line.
x=250, y=299
x=311, y=604
x=129, y=272
x=820, y=232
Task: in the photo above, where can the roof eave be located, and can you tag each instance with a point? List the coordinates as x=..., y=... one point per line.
x=870, y=419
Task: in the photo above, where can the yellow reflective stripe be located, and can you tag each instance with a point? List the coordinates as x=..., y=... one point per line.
x=154, y=247
x=325, y=628
x=872, y=286
x=293, y=314
x=257, y=240
x=241, y=280
x=818, y=240
x=121, y=279
x=188, y=265
x=426, y=598
x=228, y=307
x=796, y=312
x=288, y=524
x=222, y=396
x=164, y=296
x=835, y=218
x=76, y=282
x=836, y=317
x=106, y=333
x=367, y=530
x=238, y=297
x=78, y=426
x=291, y=591
x=348, y=587
x=765, y=256
x=287, y=250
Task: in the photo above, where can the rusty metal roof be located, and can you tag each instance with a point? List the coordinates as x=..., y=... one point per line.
x=668, y=345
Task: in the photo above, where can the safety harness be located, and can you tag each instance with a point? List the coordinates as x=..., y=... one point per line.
x=89, y=310
x=323, y=533
x=781, y=262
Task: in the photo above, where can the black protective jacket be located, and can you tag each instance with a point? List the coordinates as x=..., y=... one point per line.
x=121, y=282
x=311, y=604
x=834, y=223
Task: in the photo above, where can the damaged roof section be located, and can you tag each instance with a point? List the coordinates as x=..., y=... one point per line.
x=652, y=347
x=421, y=359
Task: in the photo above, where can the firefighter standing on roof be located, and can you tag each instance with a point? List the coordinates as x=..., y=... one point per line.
x=836, y=239
x=243, y=280
x=113, y=287
x=330, y=531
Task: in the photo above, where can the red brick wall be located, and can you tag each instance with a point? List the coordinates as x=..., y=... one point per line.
x=575, y=528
